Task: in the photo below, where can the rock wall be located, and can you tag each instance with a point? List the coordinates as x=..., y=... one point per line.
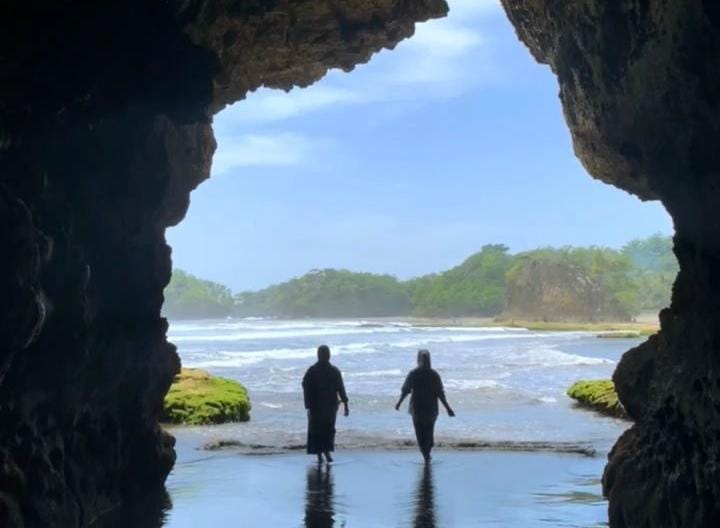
x=544, y=290
x=105, y=128
x=639, y=85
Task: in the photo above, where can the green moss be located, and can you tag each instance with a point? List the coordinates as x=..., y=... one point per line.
x=598, y=395
x=197, y=398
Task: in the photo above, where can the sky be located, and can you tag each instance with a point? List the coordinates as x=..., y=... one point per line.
x=406, y=165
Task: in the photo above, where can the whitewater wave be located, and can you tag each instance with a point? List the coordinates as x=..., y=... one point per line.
x=472, y=384
x=255, y=334
x=229, y=359
x=408, y=343
x=549, y=357
x=271, y=405
x=374, y=373
x=547, y=399
x=481, y=329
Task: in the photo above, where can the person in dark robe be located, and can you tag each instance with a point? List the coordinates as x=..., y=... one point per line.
x=323, y=390
x=426, y=389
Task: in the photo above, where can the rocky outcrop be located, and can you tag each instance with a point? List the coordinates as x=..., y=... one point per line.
x=198, y=398
x=105, y=128
x=541, y=290
x=598, y=395
x=639, y=85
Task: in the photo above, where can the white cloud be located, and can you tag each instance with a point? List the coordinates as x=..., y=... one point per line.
x=444, y=58
x=255, y=150
x=275, y=105
x=434, y=55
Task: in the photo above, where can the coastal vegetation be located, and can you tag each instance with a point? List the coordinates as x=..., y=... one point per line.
x=542, y=286
x=198, y=398
x=598, y=395
x=476, y=287
x=189, y=297
x=328, y=293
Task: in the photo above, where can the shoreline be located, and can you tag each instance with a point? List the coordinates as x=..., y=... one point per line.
x=645, y=325
x=607, y=329
x=239, y=447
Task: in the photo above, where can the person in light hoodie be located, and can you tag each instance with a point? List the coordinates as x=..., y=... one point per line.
x=425, y=388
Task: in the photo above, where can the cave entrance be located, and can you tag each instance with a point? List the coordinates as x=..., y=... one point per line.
x=403, y=168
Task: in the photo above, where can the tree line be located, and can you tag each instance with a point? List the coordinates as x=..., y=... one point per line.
x=588, y=283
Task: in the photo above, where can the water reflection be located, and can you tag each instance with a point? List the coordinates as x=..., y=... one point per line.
x=425, y=500
x=146, y=509
x=319, y=499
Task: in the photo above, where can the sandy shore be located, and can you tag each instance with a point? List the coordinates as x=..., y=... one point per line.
x=386, y=489
x=644, y=325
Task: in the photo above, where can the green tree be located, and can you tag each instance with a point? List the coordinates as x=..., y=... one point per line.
x=328, y=293
x=188, y=297
x=655, y=269
x=475, y=288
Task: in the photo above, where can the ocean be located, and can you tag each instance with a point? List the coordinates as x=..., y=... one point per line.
x=507, y=387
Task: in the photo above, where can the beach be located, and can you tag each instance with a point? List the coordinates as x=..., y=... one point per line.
x=519, y=452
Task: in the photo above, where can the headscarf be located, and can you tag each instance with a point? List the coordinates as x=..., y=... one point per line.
x=323, y=354
x=423, y=358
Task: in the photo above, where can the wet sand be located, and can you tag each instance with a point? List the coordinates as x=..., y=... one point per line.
x=386, y=489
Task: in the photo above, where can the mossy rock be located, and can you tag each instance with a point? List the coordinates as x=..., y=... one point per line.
x=598, y=395
x=197, y=398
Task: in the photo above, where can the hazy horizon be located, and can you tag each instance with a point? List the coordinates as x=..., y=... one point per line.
x=406, y=166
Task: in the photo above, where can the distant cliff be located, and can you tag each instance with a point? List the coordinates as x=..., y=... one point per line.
x=550, y=288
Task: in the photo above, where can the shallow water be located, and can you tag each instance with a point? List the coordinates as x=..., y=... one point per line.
x=382, y=489
x=507, y=387
x=505, y=384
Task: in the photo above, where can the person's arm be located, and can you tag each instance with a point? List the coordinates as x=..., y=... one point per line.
x=404, y=391
x=342, y=393
x=306, y=390
x=441, y=397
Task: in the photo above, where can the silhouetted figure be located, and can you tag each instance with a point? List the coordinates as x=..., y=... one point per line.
x=425, y=500
x=319, y=507
x=426, y=388
x=322, y=386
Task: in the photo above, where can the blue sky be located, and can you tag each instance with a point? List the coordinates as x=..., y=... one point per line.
x=406, y=165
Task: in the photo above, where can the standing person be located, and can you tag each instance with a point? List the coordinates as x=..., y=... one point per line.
x=426, y=388
x=322, y=385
